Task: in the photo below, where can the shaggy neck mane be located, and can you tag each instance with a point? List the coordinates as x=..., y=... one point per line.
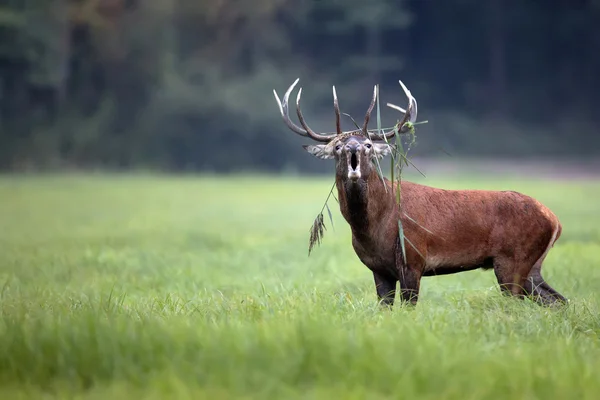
x=355, y=206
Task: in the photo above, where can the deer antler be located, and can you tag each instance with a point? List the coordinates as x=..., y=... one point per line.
x=307, y=131
x=410, y=115
x=336, y=107
x=369, y=110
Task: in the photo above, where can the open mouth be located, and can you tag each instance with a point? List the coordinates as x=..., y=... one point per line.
x=354, y=167
x=353, y=161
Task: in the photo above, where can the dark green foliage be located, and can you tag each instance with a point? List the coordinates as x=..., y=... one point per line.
x=182, y=84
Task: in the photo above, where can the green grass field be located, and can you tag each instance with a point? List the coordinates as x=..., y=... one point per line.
x=196, y=287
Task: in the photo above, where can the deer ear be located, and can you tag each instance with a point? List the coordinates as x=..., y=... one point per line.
x=322, y=151
x=381, y=150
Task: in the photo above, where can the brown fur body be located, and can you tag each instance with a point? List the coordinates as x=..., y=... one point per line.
x=453, y=231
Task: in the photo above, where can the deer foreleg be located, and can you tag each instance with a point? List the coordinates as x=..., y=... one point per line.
x=410, y=281
x=386, y=288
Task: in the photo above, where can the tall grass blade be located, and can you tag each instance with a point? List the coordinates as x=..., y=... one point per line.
x=440, y=148
x=330, y=216
x=316, y=232
x=401, y=233
x=379, y=170
x=414, y=247
x=318, y=227
x=420, y=226
x=353, y=121
x=397, y=164
x=414, y=166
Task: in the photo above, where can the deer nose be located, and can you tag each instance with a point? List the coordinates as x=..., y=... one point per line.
x=353, y=147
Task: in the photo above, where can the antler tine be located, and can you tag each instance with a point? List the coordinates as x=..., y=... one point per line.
x=284, y=110
x=285, y=114
x=313, y=135
x=410, y=115
x=369, y=111
x=412, y=103
x=336, y=107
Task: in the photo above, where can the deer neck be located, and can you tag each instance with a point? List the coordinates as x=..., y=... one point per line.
x=365, y=204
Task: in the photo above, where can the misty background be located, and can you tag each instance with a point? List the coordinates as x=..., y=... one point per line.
x=182, y=85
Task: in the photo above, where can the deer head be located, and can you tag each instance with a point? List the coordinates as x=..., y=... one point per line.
x=353, y=151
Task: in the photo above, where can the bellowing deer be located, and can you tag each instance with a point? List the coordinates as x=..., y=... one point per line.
x=450, y=231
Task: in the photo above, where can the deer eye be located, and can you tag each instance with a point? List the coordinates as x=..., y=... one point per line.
x=368, y=145
x=338, y=147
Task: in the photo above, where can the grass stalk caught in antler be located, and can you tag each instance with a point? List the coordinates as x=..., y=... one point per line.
x=400, y=159
x=379, y=130
x=397, y=162
x=318, y=227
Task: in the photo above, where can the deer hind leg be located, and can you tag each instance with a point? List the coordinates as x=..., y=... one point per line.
x=520, y=280
x=511, y=275
x=540, y=291
x=523, y=278
x=535, y=285
x=386, y=288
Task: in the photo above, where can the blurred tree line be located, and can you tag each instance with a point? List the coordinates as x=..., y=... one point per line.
x=187, y=84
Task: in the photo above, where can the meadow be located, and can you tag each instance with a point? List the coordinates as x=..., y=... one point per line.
x=150, y=286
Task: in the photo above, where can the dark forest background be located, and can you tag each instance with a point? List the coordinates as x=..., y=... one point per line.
x=187, y=84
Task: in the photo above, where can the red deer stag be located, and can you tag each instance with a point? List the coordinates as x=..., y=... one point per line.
x=449, y=231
